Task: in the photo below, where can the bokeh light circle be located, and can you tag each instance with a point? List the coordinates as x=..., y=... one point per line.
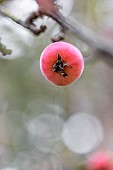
x=82, y=133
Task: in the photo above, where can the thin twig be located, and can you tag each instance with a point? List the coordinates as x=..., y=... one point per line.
x=28, y=24
x=98, y=43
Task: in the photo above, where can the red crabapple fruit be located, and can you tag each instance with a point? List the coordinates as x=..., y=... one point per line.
x=100, y=161
x=61, y=63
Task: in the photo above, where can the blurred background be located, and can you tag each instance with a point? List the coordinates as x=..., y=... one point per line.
x=44, y=126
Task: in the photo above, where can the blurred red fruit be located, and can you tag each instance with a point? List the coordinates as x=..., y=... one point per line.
x=100, y=161
x=61, y=63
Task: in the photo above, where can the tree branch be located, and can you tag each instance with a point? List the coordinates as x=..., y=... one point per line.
x=100, y=45
x=28, y=24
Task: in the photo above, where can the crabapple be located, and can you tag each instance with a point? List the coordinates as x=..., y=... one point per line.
x=100, y=161
x=61, y=63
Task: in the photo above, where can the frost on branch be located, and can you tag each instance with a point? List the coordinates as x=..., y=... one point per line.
x=99, y=44
x=4, y=50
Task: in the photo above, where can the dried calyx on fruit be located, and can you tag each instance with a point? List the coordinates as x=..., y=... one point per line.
x=59, y=66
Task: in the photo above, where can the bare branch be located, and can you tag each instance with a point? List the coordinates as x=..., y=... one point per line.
x=99, y=44
x=28, y=24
